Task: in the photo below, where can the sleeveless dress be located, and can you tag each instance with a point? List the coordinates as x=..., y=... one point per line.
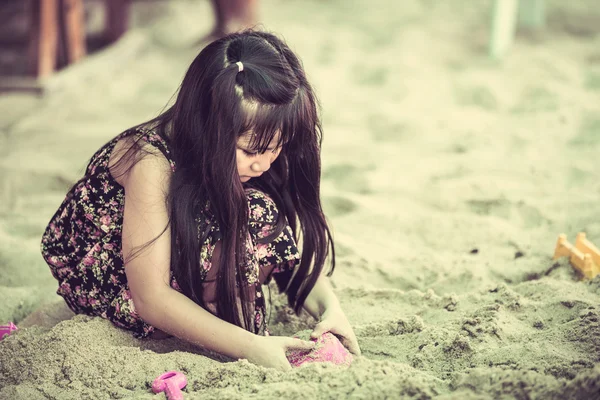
x=82, y=244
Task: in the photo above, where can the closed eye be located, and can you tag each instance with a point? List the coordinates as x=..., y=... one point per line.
x=249, y=154
x=255, y=153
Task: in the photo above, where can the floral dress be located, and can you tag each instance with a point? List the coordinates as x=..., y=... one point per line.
x=82, y=244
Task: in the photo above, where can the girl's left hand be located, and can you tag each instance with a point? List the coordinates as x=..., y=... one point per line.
x=334, y=320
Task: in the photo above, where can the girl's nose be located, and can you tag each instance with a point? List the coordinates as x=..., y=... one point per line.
x=261, y=165
x=255, y=167
x=265, y=162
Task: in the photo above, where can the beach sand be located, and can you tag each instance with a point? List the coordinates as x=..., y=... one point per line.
x=447, y=178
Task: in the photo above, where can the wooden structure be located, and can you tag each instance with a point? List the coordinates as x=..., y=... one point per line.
x=117, y=19
x=584, y=256
x=58, y=31
x=57, y=26
x=506, y=16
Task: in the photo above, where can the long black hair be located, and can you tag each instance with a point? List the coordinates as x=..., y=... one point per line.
x=216, y=104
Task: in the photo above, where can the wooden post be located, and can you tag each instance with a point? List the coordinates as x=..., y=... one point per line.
x=74, y=29
x=117, y=19
x=44, y=37
x=504, y=19
x=532, y=13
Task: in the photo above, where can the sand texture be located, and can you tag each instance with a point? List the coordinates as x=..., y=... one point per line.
x=447, y=178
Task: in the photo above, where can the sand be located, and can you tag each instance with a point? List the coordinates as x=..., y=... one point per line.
x=447, y=178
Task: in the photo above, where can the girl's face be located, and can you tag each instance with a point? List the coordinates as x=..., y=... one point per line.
x=250, y=163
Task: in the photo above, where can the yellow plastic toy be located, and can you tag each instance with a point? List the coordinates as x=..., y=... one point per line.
x=584, y=256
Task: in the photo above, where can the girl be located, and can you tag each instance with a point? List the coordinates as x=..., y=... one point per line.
x=179, y=221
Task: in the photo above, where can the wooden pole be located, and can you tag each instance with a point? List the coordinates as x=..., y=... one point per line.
x=504, y=19
x=74, y=29
x=44, y=37
x=117, y=19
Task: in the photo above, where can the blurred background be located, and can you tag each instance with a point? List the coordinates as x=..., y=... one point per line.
x=461, y=137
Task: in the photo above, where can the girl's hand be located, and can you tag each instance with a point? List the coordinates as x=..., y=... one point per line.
x=334, y=320
x=270, y=351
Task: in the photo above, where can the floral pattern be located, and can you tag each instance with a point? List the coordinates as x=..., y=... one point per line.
x=82, y=244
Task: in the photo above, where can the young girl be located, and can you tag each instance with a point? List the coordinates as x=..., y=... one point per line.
x=179, y=221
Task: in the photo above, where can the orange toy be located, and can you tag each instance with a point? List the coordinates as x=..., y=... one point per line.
x=584, y=256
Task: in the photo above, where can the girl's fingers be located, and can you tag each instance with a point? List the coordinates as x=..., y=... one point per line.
x=319, y=330
x=348, y=339
x=300, y=344
x=352, y=345
x=354, y=349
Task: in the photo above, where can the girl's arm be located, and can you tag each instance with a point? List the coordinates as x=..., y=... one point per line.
x=148, y=276
x=176, y=314
x=321, y=298
x=148, y=270
x=325, y=307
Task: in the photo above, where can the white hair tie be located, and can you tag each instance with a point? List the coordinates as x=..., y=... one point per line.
x=240, y=66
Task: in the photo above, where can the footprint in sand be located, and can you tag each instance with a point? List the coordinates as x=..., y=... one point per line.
x=326, y=54
x=582, y=23
x=496, y=207
x=578, y=178
x=589, y=132
x=536, y=99
x=477, y=96
x=348, y=177
x=335, y=206
x=502, y=208
x=384, y=130
x=371, y=76
x=592, y=80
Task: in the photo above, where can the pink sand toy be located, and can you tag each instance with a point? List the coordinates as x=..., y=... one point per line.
x=328, y=349
x=6, y=330
x=171, y=383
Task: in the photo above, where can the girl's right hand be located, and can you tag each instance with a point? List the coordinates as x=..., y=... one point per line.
x=270, y=351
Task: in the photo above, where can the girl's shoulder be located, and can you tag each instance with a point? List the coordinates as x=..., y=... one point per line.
x=149, y=139
x=152, y=140
x=140, y=150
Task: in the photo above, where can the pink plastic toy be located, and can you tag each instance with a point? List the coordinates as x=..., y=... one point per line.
x=6, y=330
x=328, y=349
x=171, y=383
